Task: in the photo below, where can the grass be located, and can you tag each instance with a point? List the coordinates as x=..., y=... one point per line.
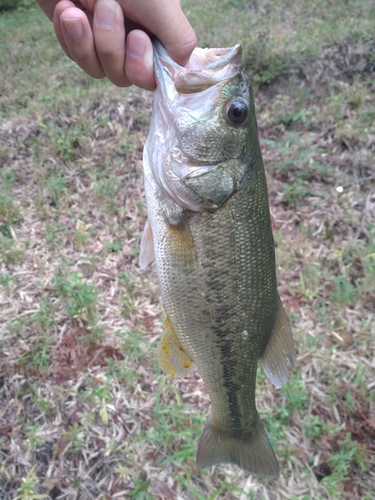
x=85, y=410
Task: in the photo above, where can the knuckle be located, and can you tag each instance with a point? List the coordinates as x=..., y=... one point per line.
x=188, y=42
x=89, y=64
x=191, y=40
x=119, y=80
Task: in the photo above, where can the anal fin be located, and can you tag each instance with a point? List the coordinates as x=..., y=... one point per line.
x=173, y=360
x=279, y=350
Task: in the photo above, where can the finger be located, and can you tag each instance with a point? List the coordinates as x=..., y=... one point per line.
x=109, y=35
x=165, y=19
x=79, y=41
x=61, y=6
x=139, y=60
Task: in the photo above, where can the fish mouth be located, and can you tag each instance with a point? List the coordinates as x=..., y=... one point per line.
x=205, y=68
x=195, y=91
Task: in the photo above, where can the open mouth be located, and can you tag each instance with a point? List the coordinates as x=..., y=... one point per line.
x=206, y=67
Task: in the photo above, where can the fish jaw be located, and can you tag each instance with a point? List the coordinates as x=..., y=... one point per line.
x=205, y=69
x=188, y=103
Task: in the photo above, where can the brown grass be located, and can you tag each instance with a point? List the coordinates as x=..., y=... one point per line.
x=81, y=397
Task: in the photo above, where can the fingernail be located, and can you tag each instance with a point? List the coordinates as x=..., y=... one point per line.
x=73, y=27
x=136, y=47
x=105, y=13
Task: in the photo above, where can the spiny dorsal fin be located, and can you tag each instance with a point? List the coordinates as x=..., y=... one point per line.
x=147, y=254
x=173, y=360
x=279, y=349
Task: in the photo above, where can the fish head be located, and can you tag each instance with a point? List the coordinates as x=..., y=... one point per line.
x=203, y=138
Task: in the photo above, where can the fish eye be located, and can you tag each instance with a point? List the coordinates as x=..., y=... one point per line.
x=235, y=111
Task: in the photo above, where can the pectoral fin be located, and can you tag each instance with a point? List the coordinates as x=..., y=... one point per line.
x=279, y=349
x=173, y=360
x=181, y=243
x=147, y=254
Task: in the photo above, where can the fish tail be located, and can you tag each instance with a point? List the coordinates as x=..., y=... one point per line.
x=250, y=450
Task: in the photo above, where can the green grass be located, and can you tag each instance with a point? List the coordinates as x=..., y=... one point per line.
x=78, y=295
x=281, y=37
x=79, y=323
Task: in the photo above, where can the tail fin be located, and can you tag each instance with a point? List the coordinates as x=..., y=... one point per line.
x=251, y=451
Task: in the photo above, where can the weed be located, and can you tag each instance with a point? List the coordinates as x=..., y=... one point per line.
x=6, y=280
x=107, y=189
x=32, y=430
x=314, y=427
x=139, y=492
x=132, y=343
x=9, y=211
x=310, y=282
x=212, y=497
x=297, y=191
x=174, y=422
x=16, y=4
x=81, y=237
x=69, y=140
x=120, y=371
x=78, y=295
x=294, y=399
x=37, y=356
x=95, y=392
x=96, y=333
x=5, y=230
x=127, y=305
x=344, y=292
x=8, y=178
x=114, y=245
x=45, y=317
x=351, y=455
x=54, y=231
x=57, y=187
x=44, y=405
x=75, y=437
x=27, y=488
x=10, y=250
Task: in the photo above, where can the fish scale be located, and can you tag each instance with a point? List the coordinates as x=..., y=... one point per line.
x=209, y=232
x=233, y=308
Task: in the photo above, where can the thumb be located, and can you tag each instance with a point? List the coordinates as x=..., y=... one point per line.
x=165, y=20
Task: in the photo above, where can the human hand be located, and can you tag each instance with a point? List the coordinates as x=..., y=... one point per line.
x=111, y=38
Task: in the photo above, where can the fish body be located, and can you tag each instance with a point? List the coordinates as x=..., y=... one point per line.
x=209, y=233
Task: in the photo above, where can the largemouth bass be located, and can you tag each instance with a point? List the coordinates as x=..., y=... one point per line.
x=210, y=235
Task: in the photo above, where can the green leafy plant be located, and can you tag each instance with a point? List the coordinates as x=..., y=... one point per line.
x=27, y=488
x=7, y=5
x=140, y=490
x=79, y=296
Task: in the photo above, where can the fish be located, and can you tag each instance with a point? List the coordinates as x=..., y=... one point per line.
x=209, y=233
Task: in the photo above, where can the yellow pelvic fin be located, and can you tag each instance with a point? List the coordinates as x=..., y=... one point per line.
x=279, y=350
x=147, y=253
x=172, y=357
